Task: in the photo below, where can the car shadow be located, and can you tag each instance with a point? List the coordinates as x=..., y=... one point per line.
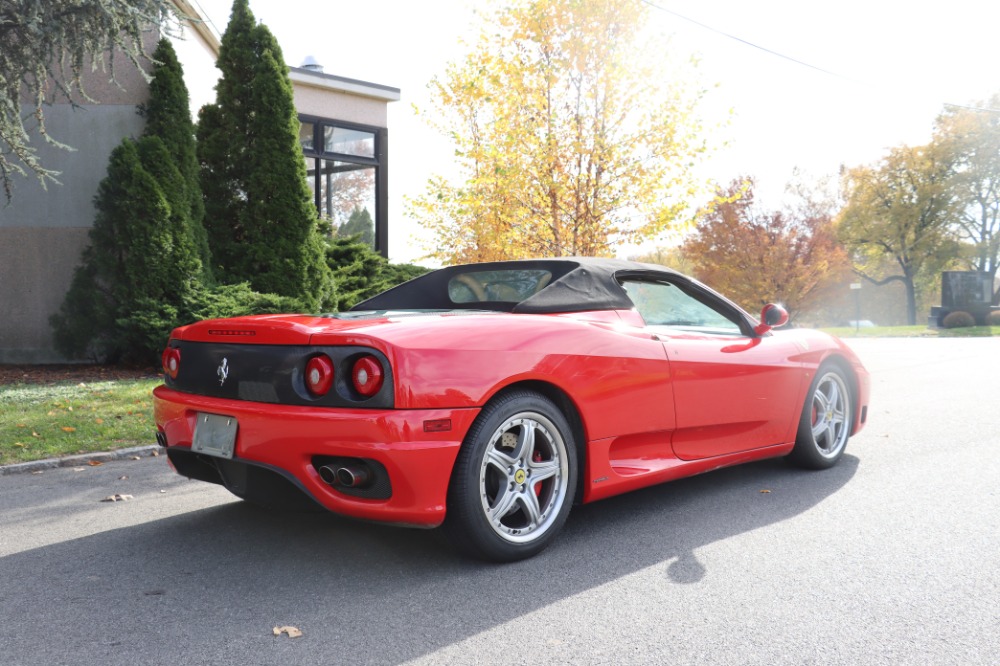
x=208, y=586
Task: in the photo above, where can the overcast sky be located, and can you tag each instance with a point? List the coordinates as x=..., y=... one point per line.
x=822, y=83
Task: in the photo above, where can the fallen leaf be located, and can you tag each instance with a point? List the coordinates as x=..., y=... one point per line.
x=70, y=408
x=134, y=458
x=37, y=472
x=22, y=425
x=163, y=491
x=68, y=429
x=78, y=469
x=21, y=444
x=94, y=463
x=765, y=491
x=292, y=632
x=35, y=434
x=155, y=454
x=117, y=498
x=122, y=478
x=98, y=421
x=51, y=412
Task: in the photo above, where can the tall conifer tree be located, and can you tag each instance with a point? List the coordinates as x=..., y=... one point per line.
x=168, y=116
x=261, y=222
x=133, y=261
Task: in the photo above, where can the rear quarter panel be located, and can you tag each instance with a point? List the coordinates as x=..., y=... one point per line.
x=616, y=375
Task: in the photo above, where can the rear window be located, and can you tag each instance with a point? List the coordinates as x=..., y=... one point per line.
x=511, y=286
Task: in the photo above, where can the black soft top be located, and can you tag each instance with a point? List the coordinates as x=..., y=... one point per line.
x=575, y=284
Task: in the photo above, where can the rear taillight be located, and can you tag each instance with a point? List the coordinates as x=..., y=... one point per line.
x=367, y=375
x=319, y=375
x=171, y=361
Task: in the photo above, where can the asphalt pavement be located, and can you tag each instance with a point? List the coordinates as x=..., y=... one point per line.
x=889, y=558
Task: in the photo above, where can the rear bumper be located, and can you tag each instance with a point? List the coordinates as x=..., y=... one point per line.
x=284, y=440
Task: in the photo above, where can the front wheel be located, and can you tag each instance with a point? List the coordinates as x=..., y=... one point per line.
x=826, y=421
x=514, y=480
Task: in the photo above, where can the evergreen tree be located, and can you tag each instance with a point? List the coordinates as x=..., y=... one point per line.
x=359, y=223
x=261, y=222
x=47, y=47
x=133, y=261
x=168, y=116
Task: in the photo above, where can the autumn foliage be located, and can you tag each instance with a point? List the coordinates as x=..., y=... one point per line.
x=569, y=138
x=756, y=256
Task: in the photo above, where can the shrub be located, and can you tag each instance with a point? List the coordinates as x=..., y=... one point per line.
x=235, y=300
x=993, y=318
x=360, y=272
x=958, y=319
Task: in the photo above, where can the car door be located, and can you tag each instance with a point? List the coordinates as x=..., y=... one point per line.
x=733, y=390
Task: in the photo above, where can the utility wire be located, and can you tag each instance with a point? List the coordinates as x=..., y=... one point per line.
x=777, y=54
x=741, y=40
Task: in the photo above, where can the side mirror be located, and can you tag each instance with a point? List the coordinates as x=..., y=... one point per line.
x=771, y=316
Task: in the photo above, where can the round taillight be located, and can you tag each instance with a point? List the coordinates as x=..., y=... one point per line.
x=171, y=361
x=319, y=375
x=367, y=376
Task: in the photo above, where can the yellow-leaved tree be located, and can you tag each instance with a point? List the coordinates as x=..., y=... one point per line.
x=572, y=134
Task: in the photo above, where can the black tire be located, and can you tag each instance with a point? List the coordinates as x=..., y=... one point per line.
x=496, y=511
x=826, y=420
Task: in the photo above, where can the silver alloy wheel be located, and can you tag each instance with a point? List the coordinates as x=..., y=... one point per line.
x=831, y=415
x=524, y=477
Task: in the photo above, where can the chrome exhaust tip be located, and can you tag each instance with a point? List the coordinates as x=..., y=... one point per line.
x=349, y=476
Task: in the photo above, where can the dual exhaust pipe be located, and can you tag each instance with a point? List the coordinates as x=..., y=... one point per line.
x=345, y=476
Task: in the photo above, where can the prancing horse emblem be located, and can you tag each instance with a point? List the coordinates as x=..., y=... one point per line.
x=223, y=371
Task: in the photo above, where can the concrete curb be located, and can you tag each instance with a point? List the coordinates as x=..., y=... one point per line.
x=76, y=461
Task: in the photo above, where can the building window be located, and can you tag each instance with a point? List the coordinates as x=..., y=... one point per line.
x=346, y=166
x=348, y=141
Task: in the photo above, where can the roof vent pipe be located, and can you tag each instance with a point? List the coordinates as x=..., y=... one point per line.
x=311, y=64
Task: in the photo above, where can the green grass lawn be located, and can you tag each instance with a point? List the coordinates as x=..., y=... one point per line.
x=40, y=421
x=914, y=332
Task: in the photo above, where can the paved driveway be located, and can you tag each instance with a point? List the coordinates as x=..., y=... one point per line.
x=890, y=558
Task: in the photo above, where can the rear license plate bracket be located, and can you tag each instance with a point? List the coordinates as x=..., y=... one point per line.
x=215, y=435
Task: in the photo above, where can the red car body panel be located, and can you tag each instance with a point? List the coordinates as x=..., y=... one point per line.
x=651, y=403
x=627, y=385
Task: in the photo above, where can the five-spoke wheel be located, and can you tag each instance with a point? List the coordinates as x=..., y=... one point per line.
x=826, y=421
x=514, y=479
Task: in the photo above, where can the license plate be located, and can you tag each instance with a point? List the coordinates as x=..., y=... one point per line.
x=215, y=435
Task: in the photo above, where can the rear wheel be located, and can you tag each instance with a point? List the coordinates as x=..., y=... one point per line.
x=826, y=421
x=514, y=480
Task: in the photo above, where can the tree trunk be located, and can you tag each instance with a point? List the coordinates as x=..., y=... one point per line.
x=911, y=300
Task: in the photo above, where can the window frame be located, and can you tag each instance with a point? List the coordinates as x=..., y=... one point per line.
x=379, y=163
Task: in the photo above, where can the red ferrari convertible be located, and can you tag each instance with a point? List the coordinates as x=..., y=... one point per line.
x=492, y=397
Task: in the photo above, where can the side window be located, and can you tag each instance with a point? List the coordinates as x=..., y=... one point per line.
x=665, y=304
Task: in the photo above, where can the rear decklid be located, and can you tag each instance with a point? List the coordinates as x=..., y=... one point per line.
x=263, y=359
x=268, y=329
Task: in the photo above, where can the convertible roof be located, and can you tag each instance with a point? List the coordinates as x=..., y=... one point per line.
x=577, y=284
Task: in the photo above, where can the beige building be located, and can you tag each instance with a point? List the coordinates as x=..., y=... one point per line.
x=44, y=231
